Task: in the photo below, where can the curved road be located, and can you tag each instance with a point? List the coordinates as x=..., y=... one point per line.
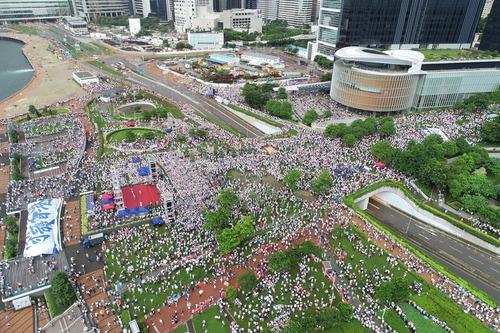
x=478, y=267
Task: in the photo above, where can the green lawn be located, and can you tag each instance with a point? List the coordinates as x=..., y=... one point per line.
x=354, y=326
x=394, y=320
x=181, y=329
x=120, y=135
x=24, y=29
x=422, y=324
x=220, y=124
x=103, y=48
x=105, y=68
x=212, y=324
x=455, y=54
x=442, y=307
x=256, y=116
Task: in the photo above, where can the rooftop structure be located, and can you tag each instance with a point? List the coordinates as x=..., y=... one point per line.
x=85, y=78
x=224, y=59
x=76, y=25
x=388, y=81
x=206, y=40
x=259, y=59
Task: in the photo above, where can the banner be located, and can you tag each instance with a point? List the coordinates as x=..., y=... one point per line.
x=42, y=229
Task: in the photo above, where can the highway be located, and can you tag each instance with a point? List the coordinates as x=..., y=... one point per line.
x=478, y=267
x=180, y=94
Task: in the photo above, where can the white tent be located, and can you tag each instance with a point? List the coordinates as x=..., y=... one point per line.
x=42, y=229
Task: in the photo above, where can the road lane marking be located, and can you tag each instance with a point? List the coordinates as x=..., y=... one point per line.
x=373, y=205
x=454, y=248
x=479, y=261
x=424, y=236
x=495, y=270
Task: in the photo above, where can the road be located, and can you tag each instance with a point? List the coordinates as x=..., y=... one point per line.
x=476, y=266
x=180, y=94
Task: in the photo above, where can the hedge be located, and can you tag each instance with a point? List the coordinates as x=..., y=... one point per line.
x=349, y=201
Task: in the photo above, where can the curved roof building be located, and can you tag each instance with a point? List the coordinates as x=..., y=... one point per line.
x=372, y=80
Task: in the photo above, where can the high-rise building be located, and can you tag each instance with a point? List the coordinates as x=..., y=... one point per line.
x=251, y=4
x=396, y=24
x=491, y=36
x=163, y=9
x=194, y=15
x=487, y=8
x=141, y=7
x=220, y=5
x=21, y=10
x=89, y=9
x=269, y=9
x=295, y=12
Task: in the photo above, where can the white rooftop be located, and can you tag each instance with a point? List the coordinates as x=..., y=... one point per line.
x=392, y=57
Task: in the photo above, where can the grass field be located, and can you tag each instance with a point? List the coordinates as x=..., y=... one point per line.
x=421, y=323
x=106, y=68
x=120, y=135
x=181, y=329
x=455, y=54
x=24, y=29
x=352, y=327
x=212, y=324
x=394, y=320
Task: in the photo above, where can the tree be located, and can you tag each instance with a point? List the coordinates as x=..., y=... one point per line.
x=349, y=140
x=33, y=111
x=166, y=43
x=280, y=262
x=228, y=240
x=396, y=290
x=147, y=115
x=450, y=148
x=345, y=312
x=247, y=281
x=473, y=203
x=130, y=136
x=227, y=199
x=387, y=128
x=463, y=164
x=323, y=62
x=254, y=96
x=281, y=109
x=182, y=45
x=292, y=178
x=310, y=117
x=322, y=183
x=217, y=220
x=383, y=151
x=161, y=112
x=335, y=130
x=433, y=172
x=490, y=131
x=62, y=289
x=282, y=93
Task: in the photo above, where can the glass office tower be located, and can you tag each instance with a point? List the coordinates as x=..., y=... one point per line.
x=22, y=10
x=490, y=41
x=397, y=24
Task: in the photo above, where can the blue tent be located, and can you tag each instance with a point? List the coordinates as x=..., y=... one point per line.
x=107, y=201
x=144, y=171
x=158, y=220
x=168, y=130
x=136, y=159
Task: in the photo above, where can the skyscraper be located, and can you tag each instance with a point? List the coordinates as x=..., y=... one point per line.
x=251, y=4
x=295, y=12
x=16, y=10
x=397, y=24
x=490, y=40
x=163, y=9
x=90, y=9
x=269, y=9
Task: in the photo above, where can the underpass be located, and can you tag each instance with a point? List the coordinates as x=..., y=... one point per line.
x=475, y=265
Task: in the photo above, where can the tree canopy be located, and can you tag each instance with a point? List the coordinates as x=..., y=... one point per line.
x=322, y=183
x=63, y=290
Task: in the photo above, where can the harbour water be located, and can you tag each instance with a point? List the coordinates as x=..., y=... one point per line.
x=15, y=69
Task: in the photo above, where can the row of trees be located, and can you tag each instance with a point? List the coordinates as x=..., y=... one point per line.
x=323, y=62
x=479, y=101
x=10, y=247
x=260, y=97
x=465, y=178
x=360, y=128
x=13, y=136
x=16, y=168
x=324, y=319
x=320, y=184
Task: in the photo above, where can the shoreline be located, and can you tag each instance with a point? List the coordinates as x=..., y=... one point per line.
x=4, y=103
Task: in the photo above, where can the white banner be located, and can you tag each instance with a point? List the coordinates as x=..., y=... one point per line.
x=42, y=230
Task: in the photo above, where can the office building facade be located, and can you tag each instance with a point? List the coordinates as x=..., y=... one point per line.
x=90, y=9
x=398, y=80
x=25, y=10
x=163, y=9
x=269, y=9
x=295, y=12
x=397, y=24
x=490, y=41
x=241, y=20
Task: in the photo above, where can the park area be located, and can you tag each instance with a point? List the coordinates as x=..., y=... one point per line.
x=134, y=134
x=366, y=263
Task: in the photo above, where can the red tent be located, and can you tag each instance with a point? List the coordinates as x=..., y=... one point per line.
x=108, y=206
x=131, y=123
x=107, y=196
x=379, y=165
